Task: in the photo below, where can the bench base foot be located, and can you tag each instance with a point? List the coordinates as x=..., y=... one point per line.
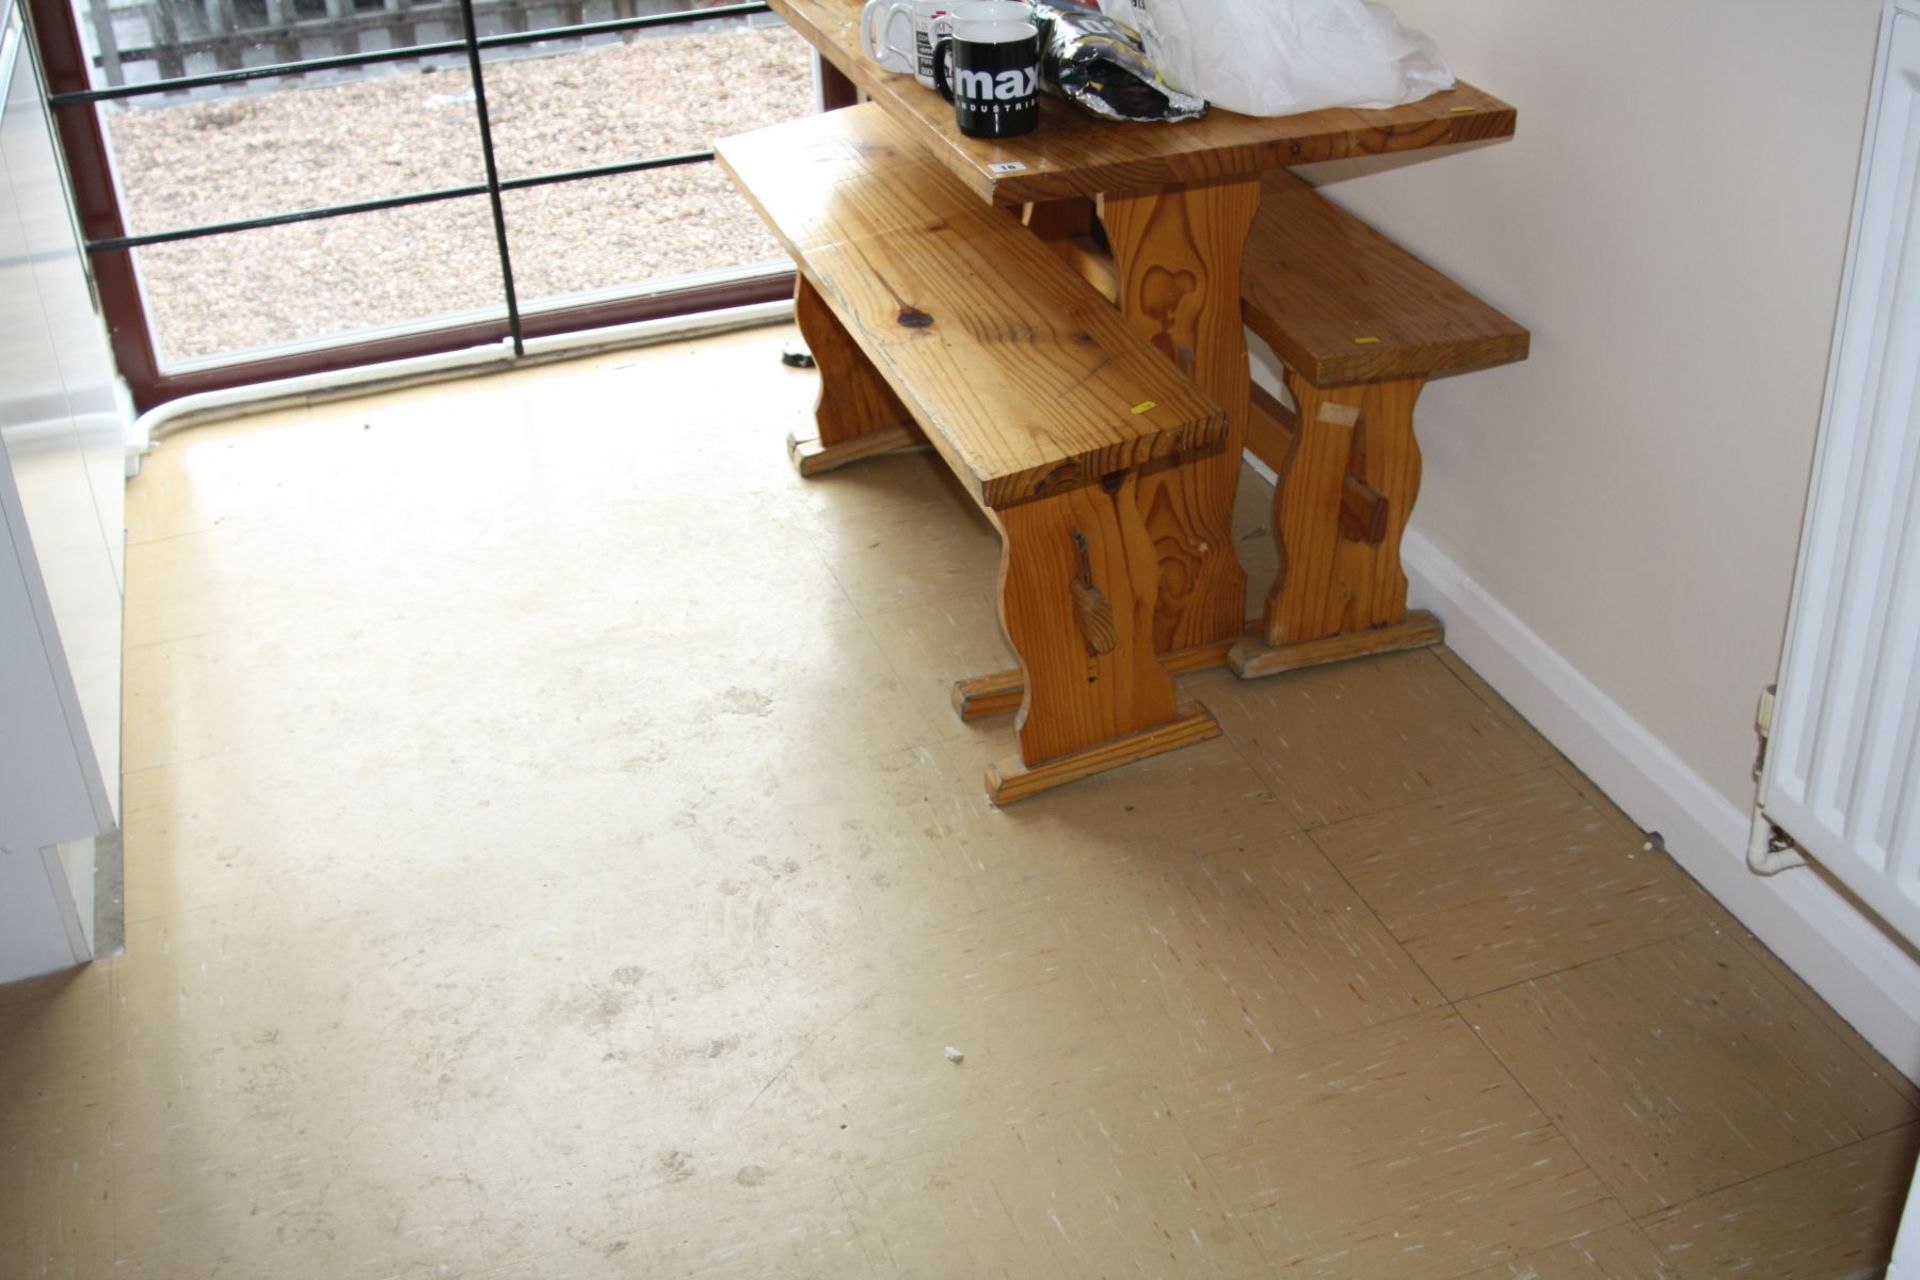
x=811, y=458
x=983, y=697
x=1011, y=780
x=1252, y=658
x=998, y=693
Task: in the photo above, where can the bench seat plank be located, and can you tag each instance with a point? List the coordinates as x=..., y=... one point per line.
x=1317, y=280
x=1024, y=378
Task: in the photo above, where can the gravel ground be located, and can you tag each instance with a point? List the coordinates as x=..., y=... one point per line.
x=407, y=131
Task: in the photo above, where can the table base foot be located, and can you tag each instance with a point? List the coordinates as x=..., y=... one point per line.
x=1252, y=658
x=811, y=458
x=1011, y=780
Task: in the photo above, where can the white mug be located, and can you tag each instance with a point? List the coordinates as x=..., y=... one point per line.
x=931, y=22
x=886, y=33
x=900, y=34
x=990, y=11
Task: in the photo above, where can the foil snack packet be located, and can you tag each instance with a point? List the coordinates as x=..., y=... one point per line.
x=1089, y=59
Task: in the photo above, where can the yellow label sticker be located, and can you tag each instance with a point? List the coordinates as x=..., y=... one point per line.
x=1454, y=111
x=1145, y=406
x=1366, y=342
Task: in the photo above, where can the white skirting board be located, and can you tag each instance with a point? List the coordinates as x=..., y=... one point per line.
x=1841, y=952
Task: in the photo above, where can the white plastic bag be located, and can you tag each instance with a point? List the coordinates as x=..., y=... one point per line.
x=1277, y=57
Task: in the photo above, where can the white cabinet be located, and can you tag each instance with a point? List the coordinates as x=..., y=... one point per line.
x=62, y=433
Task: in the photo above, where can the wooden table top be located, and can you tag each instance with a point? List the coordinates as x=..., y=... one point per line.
x=1076, y=154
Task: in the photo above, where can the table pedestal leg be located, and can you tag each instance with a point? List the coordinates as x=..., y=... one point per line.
x=1078, y=576
x=1177, y=254
x=858, y=416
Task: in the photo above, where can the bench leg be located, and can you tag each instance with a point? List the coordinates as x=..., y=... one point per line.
x=858, y=416
x=1177, y=256
x=1078, y=576
x=1348, y=481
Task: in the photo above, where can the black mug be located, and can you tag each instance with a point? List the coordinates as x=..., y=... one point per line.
x=990, y=72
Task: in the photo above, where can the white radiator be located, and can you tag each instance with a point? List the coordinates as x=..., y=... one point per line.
x=1842, y=775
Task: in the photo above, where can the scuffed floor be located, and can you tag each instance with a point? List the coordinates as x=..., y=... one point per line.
x=549, y=853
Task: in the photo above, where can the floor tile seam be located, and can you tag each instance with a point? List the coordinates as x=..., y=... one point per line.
x=1895, y=1127
x=1682, y=880
x=1707, y=926
x=1151, y=1094
x=1559, y=1131
x=950, y=489
x=1616, y=1192
x=798, y=509
x=640, y=1228
x=1560, y=1244
x=841, y=1193
x=289, y=622
x=985, y=593
x=1385, y=928
x=1685, y=932
x=1817, y=1024
x=304, y=519
x=1118, y=1015
x=900, y=677
x=116, y=1034
x=1518, y=1257
x=1601, y=801
x=1313, y=835
x=161, y=917
x=809, y=536
x=286, y=622
x=1430, y=797
x=992, y=1128
x=1251, y=1236
x=1641, y=1220
x=1240, y=751
x=1556, y=756
x=1810, y=1003
x=125, y=957
x=1263, y=1063
x=128, y=649
x=1439, y=994
x=218, y=526
x=1673, y=1269
x=1006, y=1211
x=863, y=613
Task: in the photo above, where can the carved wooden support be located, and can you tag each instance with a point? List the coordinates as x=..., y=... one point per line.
x=1077, y=581
x=1177, y=255
x=1348, y=480
x=858, y=415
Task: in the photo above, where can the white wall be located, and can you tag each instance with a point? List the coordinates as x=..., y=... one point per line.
x=1612, y=525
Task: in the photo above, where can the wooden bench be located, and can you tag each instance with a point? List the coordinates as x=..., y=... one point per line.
x=929, y=311
x=1360, y=324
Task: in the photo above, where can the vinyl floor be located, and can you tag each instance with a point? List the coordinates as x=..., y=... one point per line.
x=550, y=855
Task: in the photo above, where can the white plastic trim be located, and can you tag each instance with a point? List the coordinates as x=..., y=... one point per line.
x=211, y=406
